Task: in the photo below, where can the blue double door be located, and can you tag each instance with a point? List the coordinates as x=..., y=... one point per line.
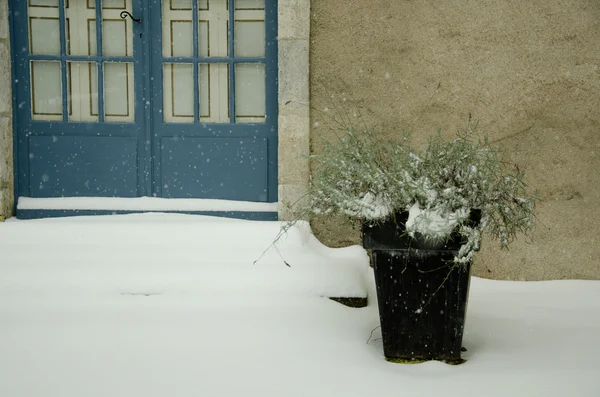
x=130, y=98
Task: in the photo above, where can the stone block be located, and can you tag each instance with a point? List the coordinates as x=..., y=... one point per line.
x=294, y=148
x=6, y=167
x=294, y=19
x=5, y=78
x=6, y=204
x=4, y=33
x=293, y=163
x=295, y=125
x=294, y=108
x=5, y=150
x=293, y=77
x=290, y=196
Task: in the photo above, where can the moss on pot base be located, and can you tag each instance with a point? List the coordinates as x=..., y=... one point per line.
x=417, y=360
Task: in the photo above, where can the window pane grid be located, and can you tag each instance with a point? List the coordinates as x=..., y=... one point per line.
x=242, y=83
x=70, y=34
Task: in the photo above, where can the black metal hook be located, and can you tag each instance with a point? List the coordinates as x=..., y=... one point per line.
x=125, y=14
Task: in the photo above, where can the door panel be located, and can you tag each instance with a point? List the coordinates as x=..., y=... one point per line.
x=80, y=125
x=215, y=168
x=218, y=94
x=94, y=166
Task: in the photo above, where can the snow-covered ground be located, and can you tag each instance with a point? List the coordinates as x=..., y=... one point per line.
x=172, y=305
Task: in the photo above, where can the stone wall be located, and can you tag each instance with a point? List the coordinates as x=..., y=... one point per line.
x=294, y=117
x=6, y=159
x=528, y=72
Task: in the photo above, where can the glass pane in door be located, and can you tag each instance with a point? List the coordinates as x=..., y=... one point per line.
x=249, y=5
x=44, y=33
x=178, y=92
x=180, y=39
x=46, y=90
x=83, y=100
x=118, y=92
x=250, y=93
x=249, y=38
x=43, y=3
x=109, y=4
x=214, y=92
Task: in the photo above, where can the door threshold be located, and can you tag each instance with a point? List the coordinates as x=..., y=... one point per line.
x=34, y=208
x=246, y=215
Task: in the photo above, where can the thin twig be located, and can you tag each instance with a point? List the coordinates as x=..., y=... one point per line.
x=432, y=270
x=281, y=233
x=281, y=256
x=370, y=336
x=440, y=287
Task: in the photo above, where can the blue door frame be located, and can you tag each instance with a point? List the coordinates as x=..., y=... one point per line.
x=147, y=157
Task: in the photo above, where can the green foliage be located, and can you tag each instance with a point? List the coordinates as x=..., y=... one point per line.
x=369, y=179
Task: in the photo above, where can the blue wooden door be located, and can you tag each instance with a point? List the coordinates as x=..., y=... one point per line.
x=130, y=98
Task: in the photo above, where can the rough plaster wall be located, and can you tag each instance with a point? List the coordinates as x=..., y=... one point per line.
x=6, y=159
x=528, y=72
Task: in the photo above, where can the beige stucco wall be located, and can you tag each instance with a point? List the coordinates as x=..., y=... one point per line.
x=6, y=159
x=528, y=71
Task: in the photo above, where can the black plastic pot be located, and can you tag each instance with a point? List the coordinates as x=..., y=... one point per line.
x=422, y=294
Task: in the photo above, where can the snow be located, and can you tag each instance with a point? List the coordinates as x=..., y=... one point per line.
x=431, y=222
x=172, y=305
x=372, y=207
x=141, y=204
x=173, y=253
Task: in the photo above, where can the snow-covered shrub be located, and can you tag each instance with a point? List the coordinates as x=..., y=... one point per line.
x=367, y=179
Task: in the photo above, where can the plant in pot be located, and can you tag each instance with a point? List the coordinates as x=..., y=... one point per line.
x=422, y=214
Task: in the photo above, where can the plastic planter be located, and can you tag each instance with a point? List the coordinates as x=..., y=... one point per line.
x=422, y=294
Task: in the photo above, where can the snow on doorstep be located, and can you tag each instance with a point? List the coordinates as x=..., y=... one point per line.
x=174, y=253
x=155, y=305
x=141, y=204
